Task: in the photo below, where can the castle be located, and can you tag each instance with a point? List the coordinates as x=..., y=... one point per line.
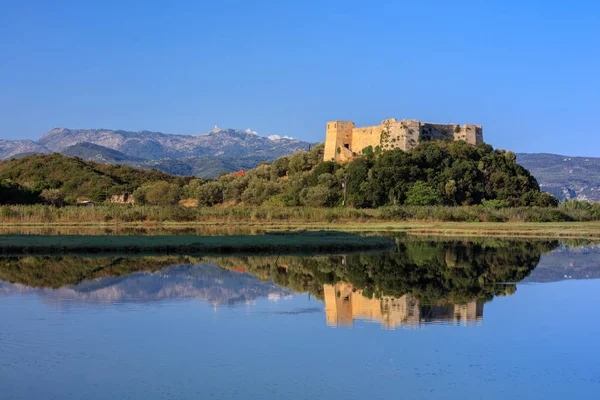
x=343, y=140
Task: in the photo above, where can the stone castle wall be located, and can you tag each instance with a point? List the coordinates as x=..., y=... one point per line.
x=344, y=141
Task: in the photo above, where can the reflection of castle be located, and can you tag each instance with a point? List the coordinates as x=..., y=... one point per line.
x=343, y=304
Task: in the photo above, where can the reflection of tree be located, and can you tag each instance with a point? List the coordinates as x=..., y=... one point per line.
x=432, y=272
x=58, y=271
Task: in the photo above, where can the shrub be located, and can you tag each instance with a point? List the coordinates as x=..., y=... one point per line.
x=421, y=194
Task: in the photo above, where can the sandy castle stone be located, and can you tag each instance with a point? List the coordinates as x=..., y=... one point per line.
x=344, y=141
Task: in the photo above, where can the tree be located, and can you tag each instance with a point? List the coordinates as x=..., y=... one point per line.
x=53, y=196
x=421, y=194
x=162, y=193
x=318, y=196
x=357, y=175
x=210, y=193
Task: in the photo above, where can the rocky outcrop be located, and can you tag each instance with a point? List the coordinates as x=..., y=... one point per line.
x=124, y=198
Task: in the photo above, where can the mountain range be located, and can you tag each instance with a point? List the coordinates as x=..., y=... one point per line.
x=563, y=176
x=227, y=150
x=206, y=155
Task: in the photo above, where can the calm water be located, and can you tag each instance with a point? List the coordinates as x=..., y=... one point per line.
x=429, y=320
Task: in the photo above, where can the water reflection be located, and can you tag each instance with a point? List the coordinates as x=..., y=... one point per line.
x=206, y=282
x=419, y=282
x=344, y=304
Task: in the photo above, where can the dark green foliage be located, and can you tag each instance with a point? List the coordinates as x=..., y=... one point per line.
x=421, y=194
x=13, y=193
x=442, y=172
x=76, y=178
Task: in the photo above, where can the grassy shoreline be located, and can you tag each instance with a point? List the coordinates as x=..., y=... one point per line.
x=576, y=220
x=568, y=230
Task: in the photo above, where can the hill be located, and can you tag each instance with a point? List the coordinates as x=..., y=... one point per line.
x=76, y=178
x=93, y=152
x=203, y=167
x=563, y=176
x=433, y=173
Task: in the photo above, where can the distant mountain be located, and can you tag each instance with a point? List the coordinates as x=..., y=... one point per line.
x=205, y=282
x=563, y=176
x=567, y=263
x=206, y=155
x=11, y=148
x=94, y=152
x=203, y=167
x=156, y=145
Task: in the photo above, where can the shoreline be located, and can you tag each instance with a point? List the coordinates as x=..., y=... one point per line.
x=318, y=242
x=545, y=230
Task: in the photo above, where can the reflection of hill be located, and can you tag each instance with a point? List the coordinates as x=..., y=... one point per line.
x=58, y=271
x=433, y=272
x=206, y=282
x=419, y=281
x=568, y=263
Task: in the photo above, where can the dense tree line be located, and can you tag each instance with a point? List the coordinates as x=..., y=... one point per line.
x=434, y=173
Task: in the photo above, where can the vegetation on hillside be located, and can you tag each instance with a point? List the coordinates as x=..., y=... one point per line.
x=480, y=183
x=434, y=173
x=57, y=179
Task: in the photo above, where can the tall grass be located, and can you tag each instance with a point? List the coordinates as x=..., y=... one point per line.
x=42, y=214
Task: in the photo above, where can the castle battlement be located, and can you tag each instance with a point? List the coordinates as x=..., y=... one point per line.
x=344, y=141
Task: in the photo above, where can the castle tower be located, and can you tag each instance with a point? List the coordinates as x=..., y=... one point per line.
x=472, y=134
x=338, y=140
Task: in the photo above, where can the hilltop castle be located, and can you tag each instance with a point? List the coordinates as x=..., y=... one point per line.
x=343, y=140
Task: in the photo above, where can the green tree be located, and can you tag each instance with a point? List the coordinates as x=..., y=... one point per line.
x=422, y=194
x=210, y=193
x=53, y=196
x=162, y=193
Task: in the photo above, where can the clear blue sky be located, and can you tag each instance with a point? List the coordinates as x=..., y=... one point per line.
x=528, y=71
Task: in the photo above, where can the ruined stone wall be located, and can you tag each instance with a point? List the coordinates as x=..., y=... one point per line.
x=437, y=131
x=344, y=141
x=472, y=134
x=365, y=137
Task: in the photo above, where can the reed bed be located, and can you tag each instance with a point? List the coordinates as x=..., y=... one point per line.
x=119, y=214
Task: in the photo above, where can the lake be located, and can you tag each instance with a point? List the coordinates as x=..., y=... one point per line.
x=428, y=319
